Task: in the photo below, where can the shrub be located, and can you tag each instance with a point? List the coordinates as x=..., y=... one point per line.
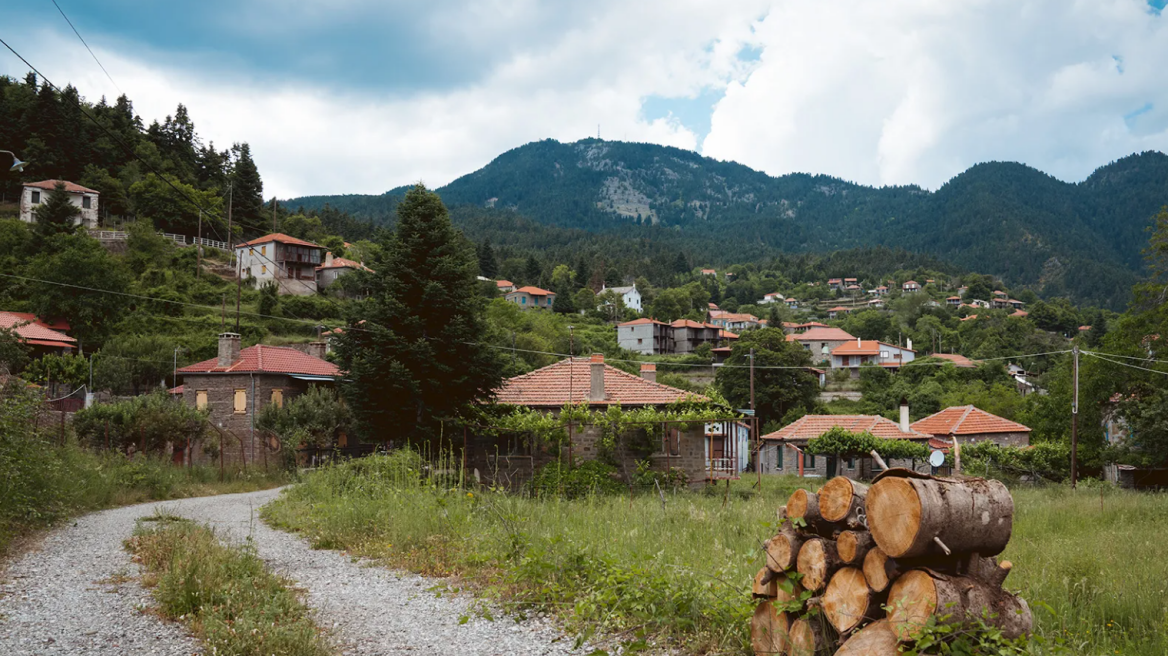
x=591, y=477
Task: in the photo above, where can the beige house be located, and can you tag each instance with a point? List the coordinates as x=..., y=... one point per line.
x=529, y=298
x=289, y=262
x=36, y=193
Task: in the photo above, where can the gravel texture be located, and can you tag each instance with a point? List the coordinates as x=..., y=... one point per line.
x=78, y=594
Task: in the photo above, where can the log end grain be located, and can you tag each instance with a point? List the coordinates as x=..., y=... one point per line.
x=804, y=638
x=894, y=515
x=812, y=564
x=768, y=631
x=876, y=639
x=765, y=584
x=911, y=601
x=853, y=546
x=875, y=572
x=781, y=551
x=835, y=498
x=848, y=599
x=797, y=503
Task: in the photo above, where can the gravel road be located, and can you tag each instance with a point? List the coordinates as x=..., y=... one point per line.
x=78, y=594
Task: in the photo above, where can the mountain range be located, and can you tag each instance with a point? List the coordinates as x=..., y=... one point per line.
x=1082, y=240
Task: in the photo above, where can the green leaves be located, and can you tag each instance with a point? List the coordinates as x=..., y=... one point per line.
x=840, y=441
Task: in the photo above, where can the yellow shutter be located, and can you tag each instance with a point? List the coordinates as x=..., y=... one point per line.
x=278, y=397
x=201, y=399
x=240, y=401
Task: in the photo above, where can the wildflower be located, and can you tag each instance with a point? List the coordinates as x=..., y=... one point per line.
x=470, y=495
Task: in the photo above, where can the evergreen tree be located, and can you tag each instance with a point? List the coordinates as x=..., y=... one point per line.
x=776, y=391
x=532, y=271
x=680, y=265
x=248, y=193
x=57, y=214
x=414, y=359
x=488, y=265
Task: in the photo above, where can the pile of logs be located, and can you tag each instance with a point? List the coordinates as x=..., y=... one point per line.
x=859, y=569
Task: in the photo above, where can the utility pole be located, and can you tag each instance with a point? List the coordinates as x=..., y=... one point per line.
x=273, y=213
x=175, y=378
x=199, y=247
x=1075, y=421
x=230, y=246
x=754, y=427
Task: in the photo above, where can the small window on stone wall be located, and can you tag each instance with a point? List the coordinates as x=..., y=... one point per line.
x=240, y=401
x=278, y=397
x=200, y=399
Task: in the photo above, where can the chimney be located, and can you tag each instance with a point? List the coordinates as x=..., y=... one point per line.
x=596, y=392
x=909, y=343
x=904, y=427
x=228, y=349
x=315, y=349
x=649, y=372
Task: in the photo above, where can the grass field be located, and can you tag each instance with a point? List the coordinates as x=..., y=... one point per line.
x=1094, y=568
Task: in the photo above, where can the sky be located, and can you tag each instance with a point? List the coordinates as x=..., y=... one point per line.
x=361, y=96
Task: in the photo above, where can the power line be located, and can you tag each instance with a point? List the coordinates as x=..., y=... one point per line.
x=116, y=138
x=111, y=79
x=1123, y=364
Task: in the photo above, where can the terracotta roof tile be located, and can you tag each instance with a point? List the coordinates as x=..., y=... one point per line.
x=280, y=238
x=967, y=420
x=824, y=334
x=958, y=360
x=268, y=359
x=642, y=322
x=504, y=283
x=554, y=385
x=33, y=331
x=812, y=426
x=342, y=263
x=70, y=187
x=534, y=291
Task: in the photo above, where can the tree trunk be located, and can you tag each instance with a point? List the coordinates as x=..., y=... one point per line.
x=765, y=584
x=841, y=500
x=768, y=631
x=910, y=516
x=848, y=600
x=807, y=637
x=876, y=639
x=919, y=594
x=854, y=545
x=783, y=549
x=875, y=572
x=805, y=505
x=817, y=561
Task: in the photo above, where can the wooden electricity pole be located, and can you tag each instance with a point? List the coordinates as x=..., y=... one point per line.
x=1075, y=421
x=199, y=247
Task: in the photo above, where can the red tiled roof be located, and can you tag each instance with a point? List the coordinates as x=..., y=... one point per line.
x=57, y=325
x=731, y=316
x=504, y=283
x=953, y=298
x=812, y=324
x=267, y=359
x=280, y=238
x=865, y=347
x=726, y=334
x=33, y=331
x=570, y=379
x=642, y=322
x=690, y=323
x=1020, y=313
x=911, y=282
x=534, y=291
x=824, y=334
x=958, y=360
x=177, y=391
x=966, y=420
x=840, y=308
x=812, y=426
x=342, y=263
x=972, y=316
x=70, y=187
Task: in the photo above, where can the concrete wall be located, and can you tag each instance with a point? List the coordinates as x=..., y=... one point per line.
x=88, y=216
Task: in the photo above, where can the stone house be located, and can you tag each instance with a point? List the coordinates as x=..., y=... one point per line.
x=35, y=193
x=238, y=383
x=821, y=341
x=645, y=336
x=289, y=262
x=782, y=450
x=688, y=335
x=971, y=425
x=529, y=298
x=854, y=354
x=513, y=459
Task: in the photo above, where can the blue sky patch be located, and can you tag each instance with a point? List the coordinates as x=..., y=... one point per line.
x=1157, y=5
x=1130, y=118
x=694, y=113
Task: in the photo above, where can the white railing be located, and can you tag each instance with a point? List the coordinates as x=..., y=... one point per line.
x=221, y=245
x=181, y=240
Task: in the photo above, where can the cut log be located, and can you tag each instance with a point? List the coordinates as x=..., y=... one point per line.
x=768, y=631
x=919, y=594
x=783, y=549
x=803, y=505
x=906, y=514
x=875, y=572
x=806, y=637
x=842, y=500
x=854, y=545
x=849, y=601
x=765, y=584
x=876, y=639
x=817, y=561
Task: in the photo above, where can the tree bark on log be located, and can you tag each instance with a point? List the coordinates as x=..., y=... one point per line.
x=765, y=584
x=841, y=500
x=806, y=637
x=876, y=639
x=804, y=505
x=907, y=515
x=768, y=631
x=817, y=561
x=919, y=594
x=783, y=549
x=854, y=545
x=875, y=571
x=849, y=601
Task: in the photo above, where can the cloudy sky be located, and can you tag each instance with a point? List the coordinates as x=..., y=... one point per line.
x=359, y=96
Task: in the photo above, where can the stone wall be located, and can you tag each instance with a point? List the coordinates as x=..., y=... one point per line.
x=859, y=468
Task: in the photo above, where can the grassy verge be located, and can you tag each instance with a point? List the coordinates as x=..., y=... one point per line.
x=680, y=570
x=225, y=594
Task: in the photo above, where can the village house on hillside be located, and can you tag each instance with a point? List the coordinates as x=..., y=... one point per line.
x=41, y=337
x=854, y=354
x=971, y=425
x=821, y=341
x=335, y=267
x=645, y=336
x=505, y=286
x=35, y=193
x=532, y=298
x=629, y=296
x=782, y=450
x=238, y=383
x=589, y=380
x=289, y=262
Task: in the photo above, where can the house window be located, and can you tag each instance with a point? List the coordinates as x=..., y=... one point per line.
x=240, y=401
x=278, y=397
x=885, y=355
x=265, y=268
x=264, y=251
x=85, y=202
x=251, y=251
x=36, y=198
x=523, y=300
x=779, y=456
x=808, y=461
x=639, y=340
x=851, y=463
x=200, y=399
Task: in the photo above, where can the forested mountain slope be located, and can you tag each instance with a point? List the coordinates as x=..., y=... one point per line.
x=1006, y=219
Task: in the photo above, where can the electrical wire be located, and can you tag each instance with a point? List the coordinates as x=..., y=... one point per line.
x=91, y=54
x=1123, y=364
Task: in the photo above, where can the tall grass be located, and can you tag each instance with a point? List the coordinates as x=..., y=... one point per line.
x=680, y=569
x=225, y=593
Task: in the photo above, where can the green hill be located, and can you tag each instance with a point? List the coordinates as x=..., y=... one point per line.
x=1083, y=240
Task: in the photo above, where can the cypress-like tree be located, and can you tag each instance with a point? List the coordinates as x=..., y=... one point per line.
x=532, y=271
x=488, y=265
x=248, y=193
x=412, y=356
x=57, y=214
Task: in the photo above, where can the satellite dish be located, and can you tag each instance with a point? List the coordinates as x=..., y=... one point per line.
x=936, y=458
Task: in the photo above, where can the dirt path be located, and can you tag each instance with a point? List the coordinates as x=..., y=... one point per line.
x=78, y=594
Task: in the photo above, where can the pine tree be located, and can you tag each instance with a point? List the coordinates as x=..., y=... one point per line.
x=57, y=215
x=247, y=193
x=488, y=265
x=415, y=358
x=532, y=271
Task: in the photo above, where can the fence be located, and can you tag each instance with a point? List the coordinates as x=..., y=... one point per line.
x=181, y=240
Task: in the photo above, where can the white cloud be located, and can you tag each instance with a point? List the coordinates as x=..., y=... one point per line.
x=915, y=91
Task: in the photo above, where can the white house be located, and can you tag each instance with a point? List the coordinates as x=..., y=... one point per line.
x=853, y=354
x=289, y=262
x=911, y=286
x=630, y=296
x=35, y=193
x=773, y=297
